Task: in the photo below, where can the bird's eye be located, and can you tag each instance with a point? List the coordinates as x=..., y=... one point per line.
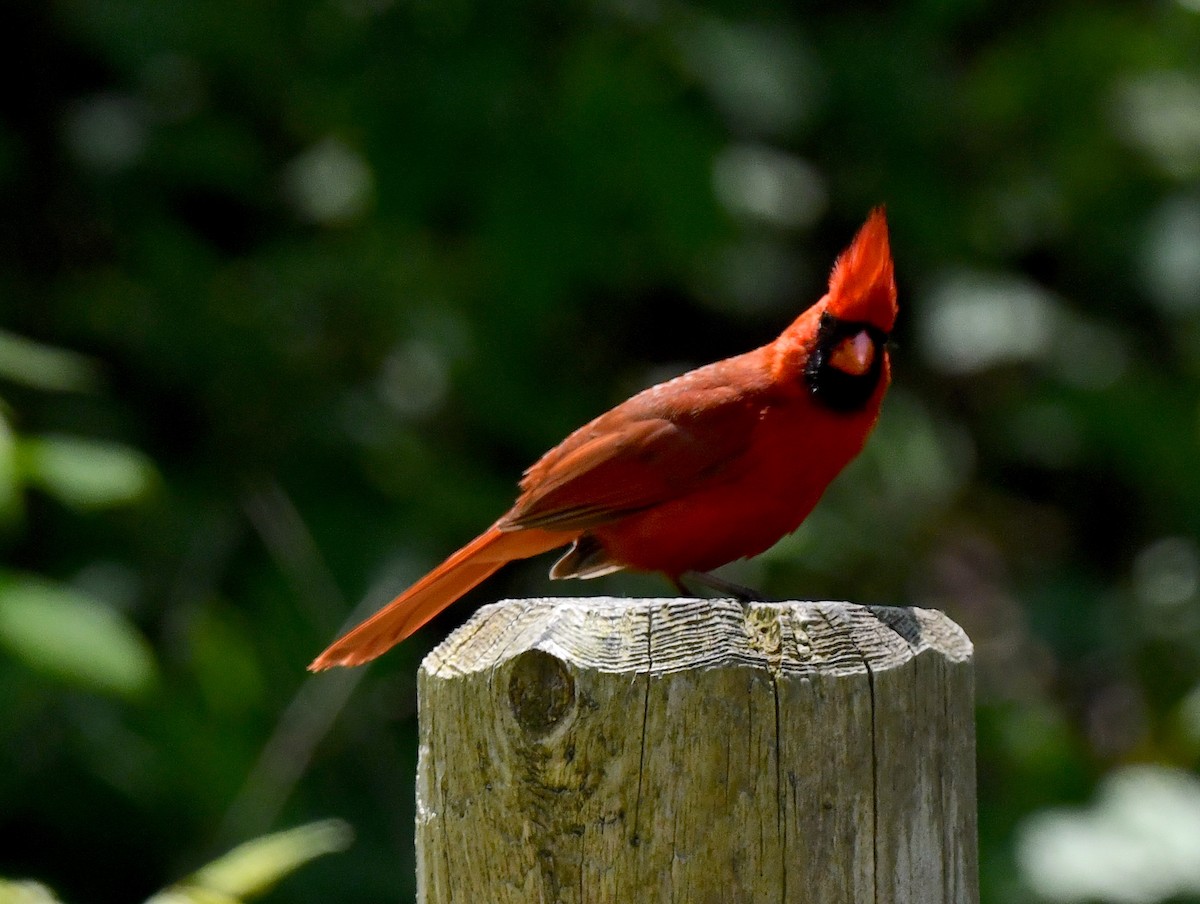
x=853, y=355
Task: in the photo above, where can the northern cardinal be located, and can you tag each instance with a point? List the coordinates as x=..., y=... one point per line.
x=712, y=466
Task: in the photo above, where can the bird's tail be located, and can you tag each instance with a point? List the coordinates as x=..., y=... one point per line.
x=434, y=592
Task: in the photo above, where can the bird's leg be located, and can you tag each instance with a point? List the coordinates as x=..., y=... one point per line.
x=720, y=585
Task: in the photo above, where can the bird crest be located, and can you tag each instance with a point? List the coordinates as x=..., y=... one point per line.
x=862, y=286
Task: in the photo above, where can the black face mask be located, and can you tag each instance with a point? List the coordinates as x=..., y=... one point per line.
x=832, y=387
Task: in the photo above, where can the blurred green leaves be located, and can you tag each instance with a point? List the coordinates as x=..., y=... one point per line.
x=70, y=636
x=253, y=868
x=246, y=872
x=83, y=473
x=10, y=477
x=44, y=366
x=25, y=892
x=57, y=630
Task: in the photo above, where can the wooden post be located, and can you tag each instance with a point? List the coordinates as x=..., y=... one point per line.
x=619, y=751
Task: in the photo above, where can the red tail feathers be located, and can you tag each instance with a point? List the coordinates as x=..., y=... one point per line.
x=434, y=592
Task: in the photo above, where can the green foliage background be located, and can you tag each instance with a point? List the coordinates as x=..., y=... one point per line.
x=293, y=291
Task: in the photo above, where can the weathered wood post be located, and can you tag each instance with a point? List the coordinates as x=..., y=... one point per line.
x=618, y=752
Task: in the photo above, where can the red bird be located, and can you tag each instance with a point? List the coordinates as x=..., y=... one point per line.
x=712, y=466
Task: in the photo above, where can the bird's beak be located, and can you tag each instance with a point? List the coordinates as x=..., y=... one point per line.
x=854, y=355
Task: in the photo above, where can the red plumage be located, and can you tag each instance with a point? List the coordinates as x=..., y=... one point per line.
x=712, y=466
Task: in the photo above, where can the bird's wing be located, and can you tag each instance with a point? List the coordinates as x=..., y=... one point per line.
x=664, y=442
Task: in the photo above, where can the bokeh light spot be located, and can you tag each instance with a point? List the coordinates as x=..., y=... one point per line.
x=972, y=321
x=106, y=132
x=761, y=183
x=329, y=183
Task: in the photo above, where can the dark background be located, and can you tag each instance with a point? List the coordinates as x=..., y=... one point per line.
x=292, y=292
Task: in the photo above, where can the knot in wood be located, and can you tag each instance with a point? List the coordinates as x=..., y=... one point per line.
x=541, y=692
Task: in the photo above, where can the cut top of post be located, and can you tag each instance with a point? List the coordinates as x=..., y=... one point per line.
x=659, y=636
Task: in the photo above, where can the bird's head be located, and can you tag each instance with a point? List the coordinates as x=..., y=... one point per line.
x=840, y=343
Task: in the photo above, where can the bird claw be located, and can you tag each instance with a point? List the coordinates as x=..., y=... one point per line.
x=719, y=585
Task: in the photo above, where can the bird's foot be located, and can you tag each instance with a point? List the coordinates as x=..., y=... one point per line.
x=720, y=585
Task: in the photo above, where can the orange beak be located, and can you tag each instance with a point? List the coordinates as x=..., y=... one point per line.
x=854, y=355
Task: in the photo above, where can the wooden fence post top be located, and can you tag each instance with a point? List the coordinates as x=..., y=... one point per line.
x=668, y=635
x=606, y=751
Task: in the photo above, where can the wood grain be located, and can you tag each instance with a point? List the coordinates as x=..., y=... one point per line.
x=600, y=750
